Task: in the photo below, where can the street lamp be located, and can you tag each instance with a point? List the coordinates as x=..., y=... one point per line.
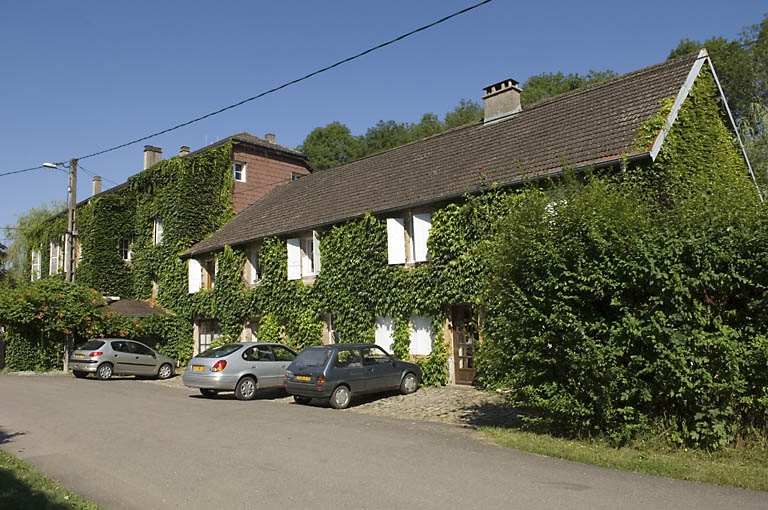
x=69, y=239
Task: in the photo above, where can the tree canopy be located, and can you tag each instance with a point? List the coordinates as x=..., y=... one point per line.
x=15, y=263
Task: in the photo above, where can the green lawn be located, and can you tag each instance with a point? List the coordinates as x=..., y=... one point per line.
x=745, y=467
x=24, y=488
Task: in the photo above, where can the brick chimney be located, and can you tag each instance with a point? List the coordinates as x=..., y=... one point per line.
x=152, y=155
x=96, y=185
x=270, y=138
x=184, y=150
x=501, y=100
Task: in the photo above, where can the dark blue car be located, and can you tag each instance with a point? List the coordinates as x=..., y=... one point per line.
x=338, y=371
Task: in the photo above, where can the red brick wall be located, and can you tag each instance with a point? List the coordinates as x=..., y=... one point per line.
x=264, y=170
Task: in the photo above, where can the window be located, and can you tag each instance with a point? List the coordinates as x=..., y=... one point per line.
x=282, y=353
x=238, y=170
x=209, y=273
x=407, y=240
x=125, y=248
x=209, y=331
x=303, y=257
x=35, y=265
x=55, y=263
x=157, y=232
x=295, y=176
x=253, y=269
x=375, y=356
x=348, y=359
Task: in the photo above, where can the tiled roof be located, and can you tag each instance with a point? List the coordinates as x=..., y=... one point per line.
x=593, y=125
x=135, y=308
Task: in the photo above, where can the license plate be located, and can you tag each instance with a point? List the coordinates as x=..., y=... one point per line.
x=198, y=368
x=303, y=378
x=79, y=355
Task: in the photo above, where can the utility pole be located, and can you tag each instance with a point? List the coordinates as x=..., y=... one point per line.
x=69, y=241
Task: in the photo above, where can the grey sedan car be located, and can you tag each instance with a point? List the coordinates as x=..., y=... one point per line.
x=242, y=367
x=106, y=357
x=338, y=371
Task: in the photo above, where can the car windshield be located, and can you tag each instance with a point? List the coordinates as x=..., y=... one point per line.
x=221, y=351
x=312, y=358
x=91, y=345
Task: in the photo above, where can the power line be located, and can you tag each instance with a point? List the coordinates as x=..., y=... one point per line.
x=273, y=90
x=292, y=82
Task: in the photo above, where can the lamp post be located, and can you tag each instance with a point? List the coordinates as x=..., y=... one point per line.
x=69, y=238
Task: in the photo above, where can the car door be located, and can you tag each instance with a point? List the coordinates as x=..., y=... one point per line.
x=381, y=372
x=348, y=368
x=144, y=359
x=282, y=358
x=122, y=358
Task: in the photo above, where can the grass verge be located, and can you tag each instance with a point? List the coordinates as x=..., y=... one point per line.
x=24, y=488
x=745, y=467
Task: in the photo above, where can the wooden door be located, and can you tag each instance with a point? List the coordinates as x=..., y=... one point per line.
x=464, y=341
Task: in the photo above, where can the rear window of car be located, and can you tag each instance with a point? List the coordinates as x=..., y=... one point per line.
x=91, y=345
x=312, y=358
x=221, y=351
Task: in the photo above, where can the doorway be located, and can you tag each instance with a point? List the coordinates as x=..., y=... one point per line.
x=465, y=338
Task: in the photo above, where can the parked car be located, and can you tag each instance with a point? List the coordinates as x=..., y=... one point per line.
x=337, y=372
x=106, y=357
x=242, y=367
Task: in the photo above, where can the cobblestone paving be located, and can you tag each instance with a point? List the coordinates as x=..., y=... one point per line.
x=458, y=405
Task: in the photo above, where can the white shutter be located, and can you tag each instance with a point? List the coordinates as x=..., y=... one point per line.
x=294, y=258
x=316, y=254
x=385, y=333
x=421, y=335
x=195, y=274
x=421, y=225
x=396, y=240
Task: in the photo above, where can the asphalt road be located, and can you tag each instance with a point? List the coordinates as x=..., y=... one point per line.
x=127, y=444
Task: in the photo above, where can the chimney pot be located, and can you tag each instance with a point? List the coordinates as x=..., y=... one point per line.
x=96, y=185
x=152, y=155
x=501, y=100
x=270, y=138
x=184, y=150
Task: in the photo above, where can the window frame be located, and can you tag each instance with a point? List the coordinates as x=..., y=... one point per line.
x=242, y=171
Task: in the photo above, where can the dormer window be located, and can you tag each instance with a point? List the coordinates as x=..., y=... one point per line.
x=238, y=171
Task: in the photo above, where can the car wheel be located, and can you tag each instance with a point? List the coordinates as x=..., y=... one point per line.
x=104, y=371
x=340, y=398
x=409, y=384
x=302, y=400
x=208, y=393
x=166, y=371
x=245, y=389
x=79, y=374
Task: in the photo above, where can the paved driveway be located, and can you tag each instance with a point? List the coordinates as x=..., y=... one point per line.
x=129, y=444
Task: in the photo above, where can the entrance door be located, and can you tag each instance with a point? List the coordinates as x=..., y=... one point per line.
x=464, y=340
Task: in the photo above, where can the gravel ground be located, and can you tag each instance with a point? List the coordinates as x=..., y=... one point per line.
x=458, y=405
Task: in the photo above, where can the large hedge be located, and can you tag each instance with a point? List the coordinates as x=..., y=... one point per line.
x=636, y=303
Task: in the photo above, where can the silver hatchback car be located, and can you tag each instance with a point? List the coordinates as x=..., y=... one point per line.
x=106, y=357
x=242, y=367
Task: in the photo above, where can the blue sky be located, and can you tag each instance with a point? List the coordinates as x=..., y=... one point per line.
x=80, y=77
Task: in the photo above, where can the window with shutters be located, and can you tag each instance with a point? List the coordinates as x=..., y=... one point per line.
x=407, y=238
x=253, y=270
x=35, y=265
x=55, y=262
x=303, y=257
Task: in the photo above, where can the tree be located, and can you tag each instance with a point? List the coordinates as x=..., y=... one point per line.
x=385, y=135
x=542, y=86
x=16, y=263
x=3, y=255
x=330, y=146
x=467, y=111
